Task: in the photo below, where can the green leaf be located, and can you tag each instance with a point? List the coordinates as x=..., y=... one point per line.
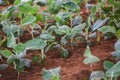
x=94, y=11
x=25, y=8
x=118, y=34
x=35, y=44
x=97, y=75
x=11, y=41
x=16, y=2
x=36, y=26
x=106, y=29
x=91, y=6
x=108, y=65
x=22, y=54
x=19, y=47
x=6, y=53
x=11, y=59
x=47, y=36
x=116, y=55
x=54, y=6
x=11, y=29
x=38, y=59
x=98, y=24
x=27, y=62
x=72, y=6
x=114, y=71
x=51, y=29
x=63, y=30
x=41, y=2
x=117, y=45
x=3, y=66
x=76, y=20
x=63, y=15
x=19, y=65
x=6, y=15
x=35, y=9
x=78, y=28
x=87, y=52
x=91, y=59
x=51, y=74
x=64, y=53
x=63, y=40
x=29, y=19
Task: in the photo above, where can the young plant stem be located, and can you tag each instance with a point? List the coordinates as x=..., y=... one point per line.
x=42, y=53
x=71, y=40
x=1, y=59
x=32, y=32
x=115, y=78
x=91, y=66
x=18, y=36
x=86, y=34
x=18, y=75
x=113, y=8
x=71, y=43
x=111, y=76
x=98, y=36
x=45, y=25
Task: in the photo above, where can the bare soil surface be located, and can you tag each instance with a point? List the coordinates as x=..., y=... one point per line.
x=72, y=68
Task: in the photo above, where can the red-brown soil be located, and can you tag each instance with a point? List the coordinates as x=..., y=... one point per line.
x=72, y=68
